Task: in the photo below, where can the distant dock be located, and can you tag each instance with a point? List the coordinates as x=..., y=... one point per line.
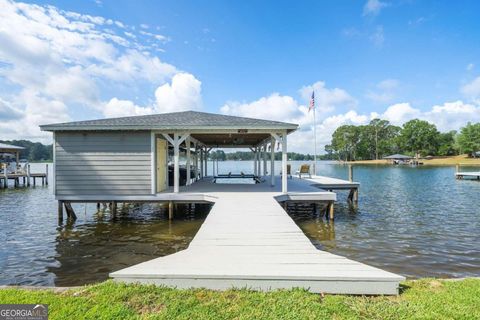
x=25, y=178
x=466, y=174
x=463, y=175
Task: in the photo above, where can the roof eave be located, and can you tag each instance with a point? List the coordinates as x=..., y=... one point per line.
x=289, y=127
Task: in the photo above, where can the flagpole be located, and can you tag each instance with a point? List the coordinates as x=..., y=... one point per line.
x=314, y=142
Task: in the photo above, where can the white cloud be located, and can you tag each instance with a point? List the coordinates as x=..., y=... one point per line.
x=378, y=37
x=400, y=113
x=384, y=91
x=7, y=112
x=38, y=111
x=288, y=109
x=472, y=89
x=448, y=116
x=373, y=7
x=122, y=108
x=183, y=93
x=273, y=107
x=159, y=37
x=54, y=59
x=452, y=115
x=327, y=100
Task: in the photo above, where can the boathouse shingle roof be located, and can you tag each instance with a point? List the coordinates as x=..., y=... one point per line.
x=398, y=156
x=4, y=146
x=175, y=120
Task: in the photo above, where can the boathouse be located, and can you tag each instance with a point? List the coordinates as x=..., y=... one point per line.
x=247, y=239
x=123, y=159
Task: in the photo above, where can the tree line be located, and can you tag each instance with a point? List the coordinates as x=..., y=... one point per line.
x=34, y=151
x=416, y=137
x=221, y=155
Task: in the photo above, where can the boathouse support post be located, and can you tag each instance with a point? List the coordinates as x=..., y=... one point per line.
x=255, y=167
x=176, y=142
x=265, y=159
x=28, y=175
x=213, y=166
x=46, y=174
x=189, y=175
x=60, y=211
x=176, y=161
x=170, y=210
x=254, y=161
x=284, y=163
x=201, y=163
x=5, y=176
x=330, y=210
x=272, y=161
x=255, y=155
x=254, y=151
x=70, y=212
x=259, y=163
x=207, y=151
x=195, y=161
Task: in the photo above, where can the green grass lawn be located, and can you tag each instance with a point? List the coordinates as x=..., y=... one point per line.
x=422, y=299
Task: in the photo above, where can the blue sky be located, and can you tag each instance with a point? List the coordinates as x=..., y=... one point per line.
x=394, y=59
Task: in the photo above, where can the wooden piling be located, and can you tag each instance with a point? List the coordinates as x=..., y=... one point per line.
x=350, y=173
x=170, y=210
x=46, y=174
x=60, y=211
x=330, y=208
x=113, y=207
x=70, y=212
x=5, y=176
x=28, y=175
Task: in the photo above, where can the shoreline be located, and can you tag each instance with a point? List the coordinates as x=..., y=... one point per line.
x=430, y=297
x=61, y=289
x=461, y=160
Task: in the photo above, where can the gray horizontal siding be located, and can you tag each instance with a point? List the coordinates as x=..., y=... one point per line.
x=102, y=163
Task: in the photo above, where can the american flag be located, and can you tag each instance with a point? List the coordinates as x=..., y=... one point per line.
x=312, y=102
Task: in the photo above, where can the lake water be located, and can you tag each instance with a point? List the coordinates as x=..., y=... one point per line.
x=418, y=222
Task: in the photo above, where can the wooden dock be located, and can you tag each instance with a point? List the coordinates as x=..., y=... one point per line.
x=248, y=240
x=332, y=184
x=463, y=175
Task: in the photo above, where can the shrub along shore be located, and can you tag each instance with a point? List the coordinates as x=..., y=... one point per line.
x=419, y=299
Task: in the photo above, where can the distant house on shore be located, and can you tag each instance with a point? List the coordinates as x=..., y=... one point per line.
x=398, y=158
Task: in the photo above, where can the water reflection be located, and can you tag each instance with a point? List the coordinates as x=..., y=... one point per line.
x=418, y=222
x=87, y=252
